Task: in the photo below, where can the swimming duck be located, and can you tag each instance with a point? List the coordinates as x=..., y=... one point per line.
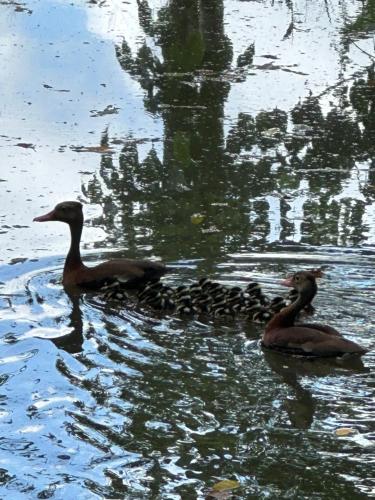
x=307, y=339
x=128, y=273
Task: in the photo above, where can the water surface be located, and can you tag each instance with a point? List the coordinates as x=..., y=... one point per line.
x=233, y=139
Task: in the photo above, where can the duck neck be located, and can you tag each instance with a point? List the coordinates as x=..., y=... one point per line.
x=287, y=316
x=73, y=259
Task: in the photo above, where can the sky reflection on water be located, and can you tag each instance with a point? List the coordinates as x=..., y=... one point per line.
x=149, y=114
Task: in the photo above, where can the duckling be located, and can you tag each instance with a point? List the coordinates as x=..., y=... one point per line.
x=235, y=295
x=221, y=308
x=204, y=283
x=181, y=289
x=254, y=290
x=154, y=300
x=276, y=304
x=251, y=305
x=115, y=294
x=185, y=306
x=261, y=316
x=292, y=296
x=203, y=303
x=168, y=291
x=168, y=304
x=223, y=311
x=195, y=289
x=149, y=290
x=218, y=292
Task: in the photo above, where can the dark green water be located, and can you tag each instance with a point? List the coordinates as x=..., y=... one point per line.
x=233, y=139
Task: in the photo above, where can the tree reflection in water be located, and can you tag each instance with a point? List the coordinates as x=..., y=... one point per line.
x=270, y=161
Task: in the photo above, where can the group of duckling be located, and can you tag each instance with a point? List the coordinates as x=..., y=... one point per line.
x=206, y=297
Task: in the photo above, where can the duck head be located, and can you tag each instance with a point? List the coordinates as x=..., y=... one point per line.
x=302, y=281
x=66, y=211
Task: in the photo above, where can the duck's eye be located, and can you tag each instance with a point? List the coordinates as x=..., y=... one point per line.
x=296, y=278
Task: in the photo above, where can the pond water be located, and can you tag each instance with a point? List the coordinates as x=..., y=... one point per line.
x=233, y=139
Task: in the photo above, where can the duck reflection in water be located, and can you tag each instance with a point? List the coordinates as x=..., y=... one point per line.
x=72, y=342
x=291, y=370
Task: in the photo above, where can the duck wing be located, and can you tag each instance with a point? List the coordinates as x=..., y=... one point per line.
x=322, y=328
x=128, y=273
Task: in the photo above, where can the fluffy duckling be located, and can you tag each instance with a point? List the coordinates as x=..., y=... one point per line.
x=276, y=304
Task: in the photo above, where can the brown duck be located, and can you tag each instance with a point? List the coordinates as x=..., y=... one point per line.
x=130, y=273
x=307, y=339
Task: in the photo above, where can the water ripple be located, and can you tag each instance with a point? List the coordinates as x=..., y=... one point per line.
x=149, y=402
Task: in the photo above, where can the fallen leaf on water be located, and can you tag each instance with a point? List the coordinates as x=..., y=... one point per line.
x=269, y=56
x=109, y=110
x=25, y=145
x=226, y=484
x=223, y=489
x=18, y=260
x=46, y=86
x=92, y=149
x=197, y=218
x=345, y=431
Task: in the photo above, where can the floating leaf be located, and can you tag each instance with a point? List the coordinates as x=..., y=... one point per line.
x=223, y=489
x=46, y=86
x=345, y=431
x=26, y=145
x=109, y=110
x=92, y=149
x=226, y=484
x=197, y=218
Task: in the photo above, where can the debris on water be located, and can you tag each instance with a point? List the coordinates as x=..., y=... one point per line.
x=223, y=489
x=92, y=149
x=46, y=86
x=197, y=218
x=26, y=145
x=345, y=431
x=109, y=110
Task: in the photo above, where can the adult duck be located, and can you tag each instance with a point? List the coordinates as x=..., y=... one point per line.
x=130, y=273
x=306, y=339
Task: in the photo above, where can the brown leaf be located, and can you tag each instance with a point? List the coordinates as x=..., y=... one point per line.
x=92, y=149
x=46, y=86
x=109, y=110
x=27, y=145
x=345, y=431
